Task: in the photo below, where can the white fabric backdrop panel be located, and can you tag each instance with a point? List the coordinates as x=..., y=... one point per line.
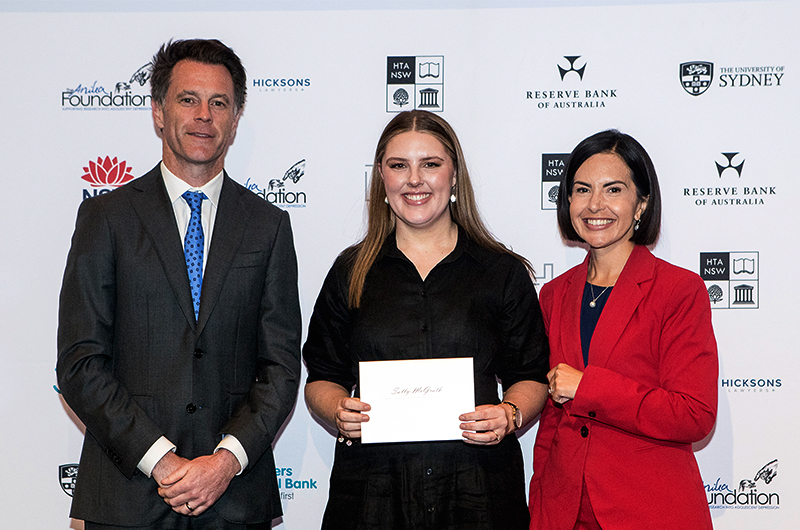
x=318, y=99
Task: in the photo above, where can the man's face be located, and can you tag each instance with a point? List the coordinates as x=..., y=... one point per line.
x=197, y=120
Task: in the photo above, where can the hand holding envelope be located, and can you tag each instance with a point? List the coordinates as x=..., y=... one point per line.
x=349, y=416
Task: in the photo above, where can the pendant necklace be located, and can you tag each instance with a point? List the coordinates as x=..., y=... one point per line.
x=594, y=298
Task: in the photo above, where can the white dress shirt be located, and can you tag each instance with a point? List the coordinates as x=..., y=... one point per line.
x=175, y=189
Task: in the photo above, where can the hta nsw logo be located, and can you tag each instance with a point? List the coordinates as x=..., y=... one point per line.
x=416, y=82
x=731, y=279
x=105, y=175
x=553, y=167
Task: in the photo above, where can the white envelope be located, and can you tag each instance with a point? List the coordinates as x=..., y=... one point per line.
x=416, y=400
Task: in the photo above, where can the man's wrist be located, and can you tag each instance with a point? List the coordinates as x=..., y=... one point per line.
x=231, y=463
x=153, y=456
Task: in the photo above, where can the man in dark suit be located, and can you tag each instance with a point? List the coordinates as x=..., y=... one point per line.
x=182, y=377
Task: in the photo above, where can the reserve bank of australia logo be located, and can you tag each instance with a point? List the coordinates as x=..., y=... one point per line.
x=67, y=475
x=731, y=279
x=696, y=77
x=415, y=83
x=729, y=157
x=571, y=59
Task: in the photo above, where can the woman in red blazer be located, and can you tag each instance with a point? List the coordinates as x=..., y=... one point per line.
x=633, y=359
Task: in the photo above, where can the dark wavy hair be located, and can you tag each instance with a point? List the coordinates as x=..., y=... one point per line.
x=643, y=174
x=206, y=51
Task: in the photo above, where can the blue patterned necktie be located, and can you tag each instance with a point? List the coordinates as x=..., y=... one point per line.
x=193, y=245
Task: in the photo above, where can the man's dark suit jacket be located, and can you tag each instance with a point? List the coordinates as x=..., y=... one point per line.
x=134, y=365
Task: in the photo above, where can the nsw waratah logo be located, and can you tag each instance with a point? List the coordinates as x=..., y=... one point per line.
x=104, y=175
x=107, y=172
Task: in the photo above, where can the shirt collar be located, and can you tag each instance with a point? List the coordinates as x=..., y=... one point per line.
x=176, y=187
x=389, y=248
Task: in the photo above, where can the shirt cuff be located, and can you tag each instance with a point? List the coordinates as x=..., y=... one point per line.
x=233, y=445
x=154, y=454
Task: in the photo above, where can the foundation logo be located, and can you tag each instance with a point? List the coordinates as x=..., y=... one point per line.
x=104, y=175
x=276, y=191
x=553, y=167
x=567, y=90
x=696, y=77
x=731, y=279
x=281, y=84
x=415, y=83
x=730, y=170
x=131, y=93
x=748, y=494
x=67, y=475
x=750, y=385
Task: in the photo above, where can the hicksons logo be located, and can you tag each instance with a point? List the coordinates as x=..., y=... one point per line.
x=696, y=77
x=553, y=167
x=571, y=93
x=750, y=385
x=731, y=279
x=131, y=93
x=104, y=175
x=729, y=188
x=415, y=83
x=749, y=494
x=281, y=84
x=276, y=191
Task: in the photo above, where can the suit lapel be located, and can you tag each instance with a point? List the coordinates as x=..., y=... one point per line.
x=158, y=220
x=571, y=323
x=621, y=305
x=229, y=227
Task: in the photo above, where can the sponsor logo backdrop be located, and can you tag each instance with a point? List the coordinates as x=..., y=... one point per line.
x=710, y=89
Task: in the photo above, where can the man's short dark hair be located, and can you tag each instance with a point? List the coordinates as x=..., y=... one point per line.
x=643, y=174
x=206, y=51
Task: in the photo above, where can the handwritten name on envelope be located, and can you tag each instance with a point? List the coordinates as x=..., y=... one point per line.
x=416, y=400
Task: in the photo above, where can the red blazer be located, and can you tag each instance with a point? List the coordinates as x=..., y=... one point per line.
x=650, y=390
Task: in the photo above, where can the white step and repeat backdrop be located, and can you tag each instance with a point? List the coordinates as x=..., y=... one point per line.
x=710, y=89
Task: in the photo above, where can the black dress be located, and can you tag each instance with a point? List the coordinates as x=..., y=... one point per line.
x=474, y=303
